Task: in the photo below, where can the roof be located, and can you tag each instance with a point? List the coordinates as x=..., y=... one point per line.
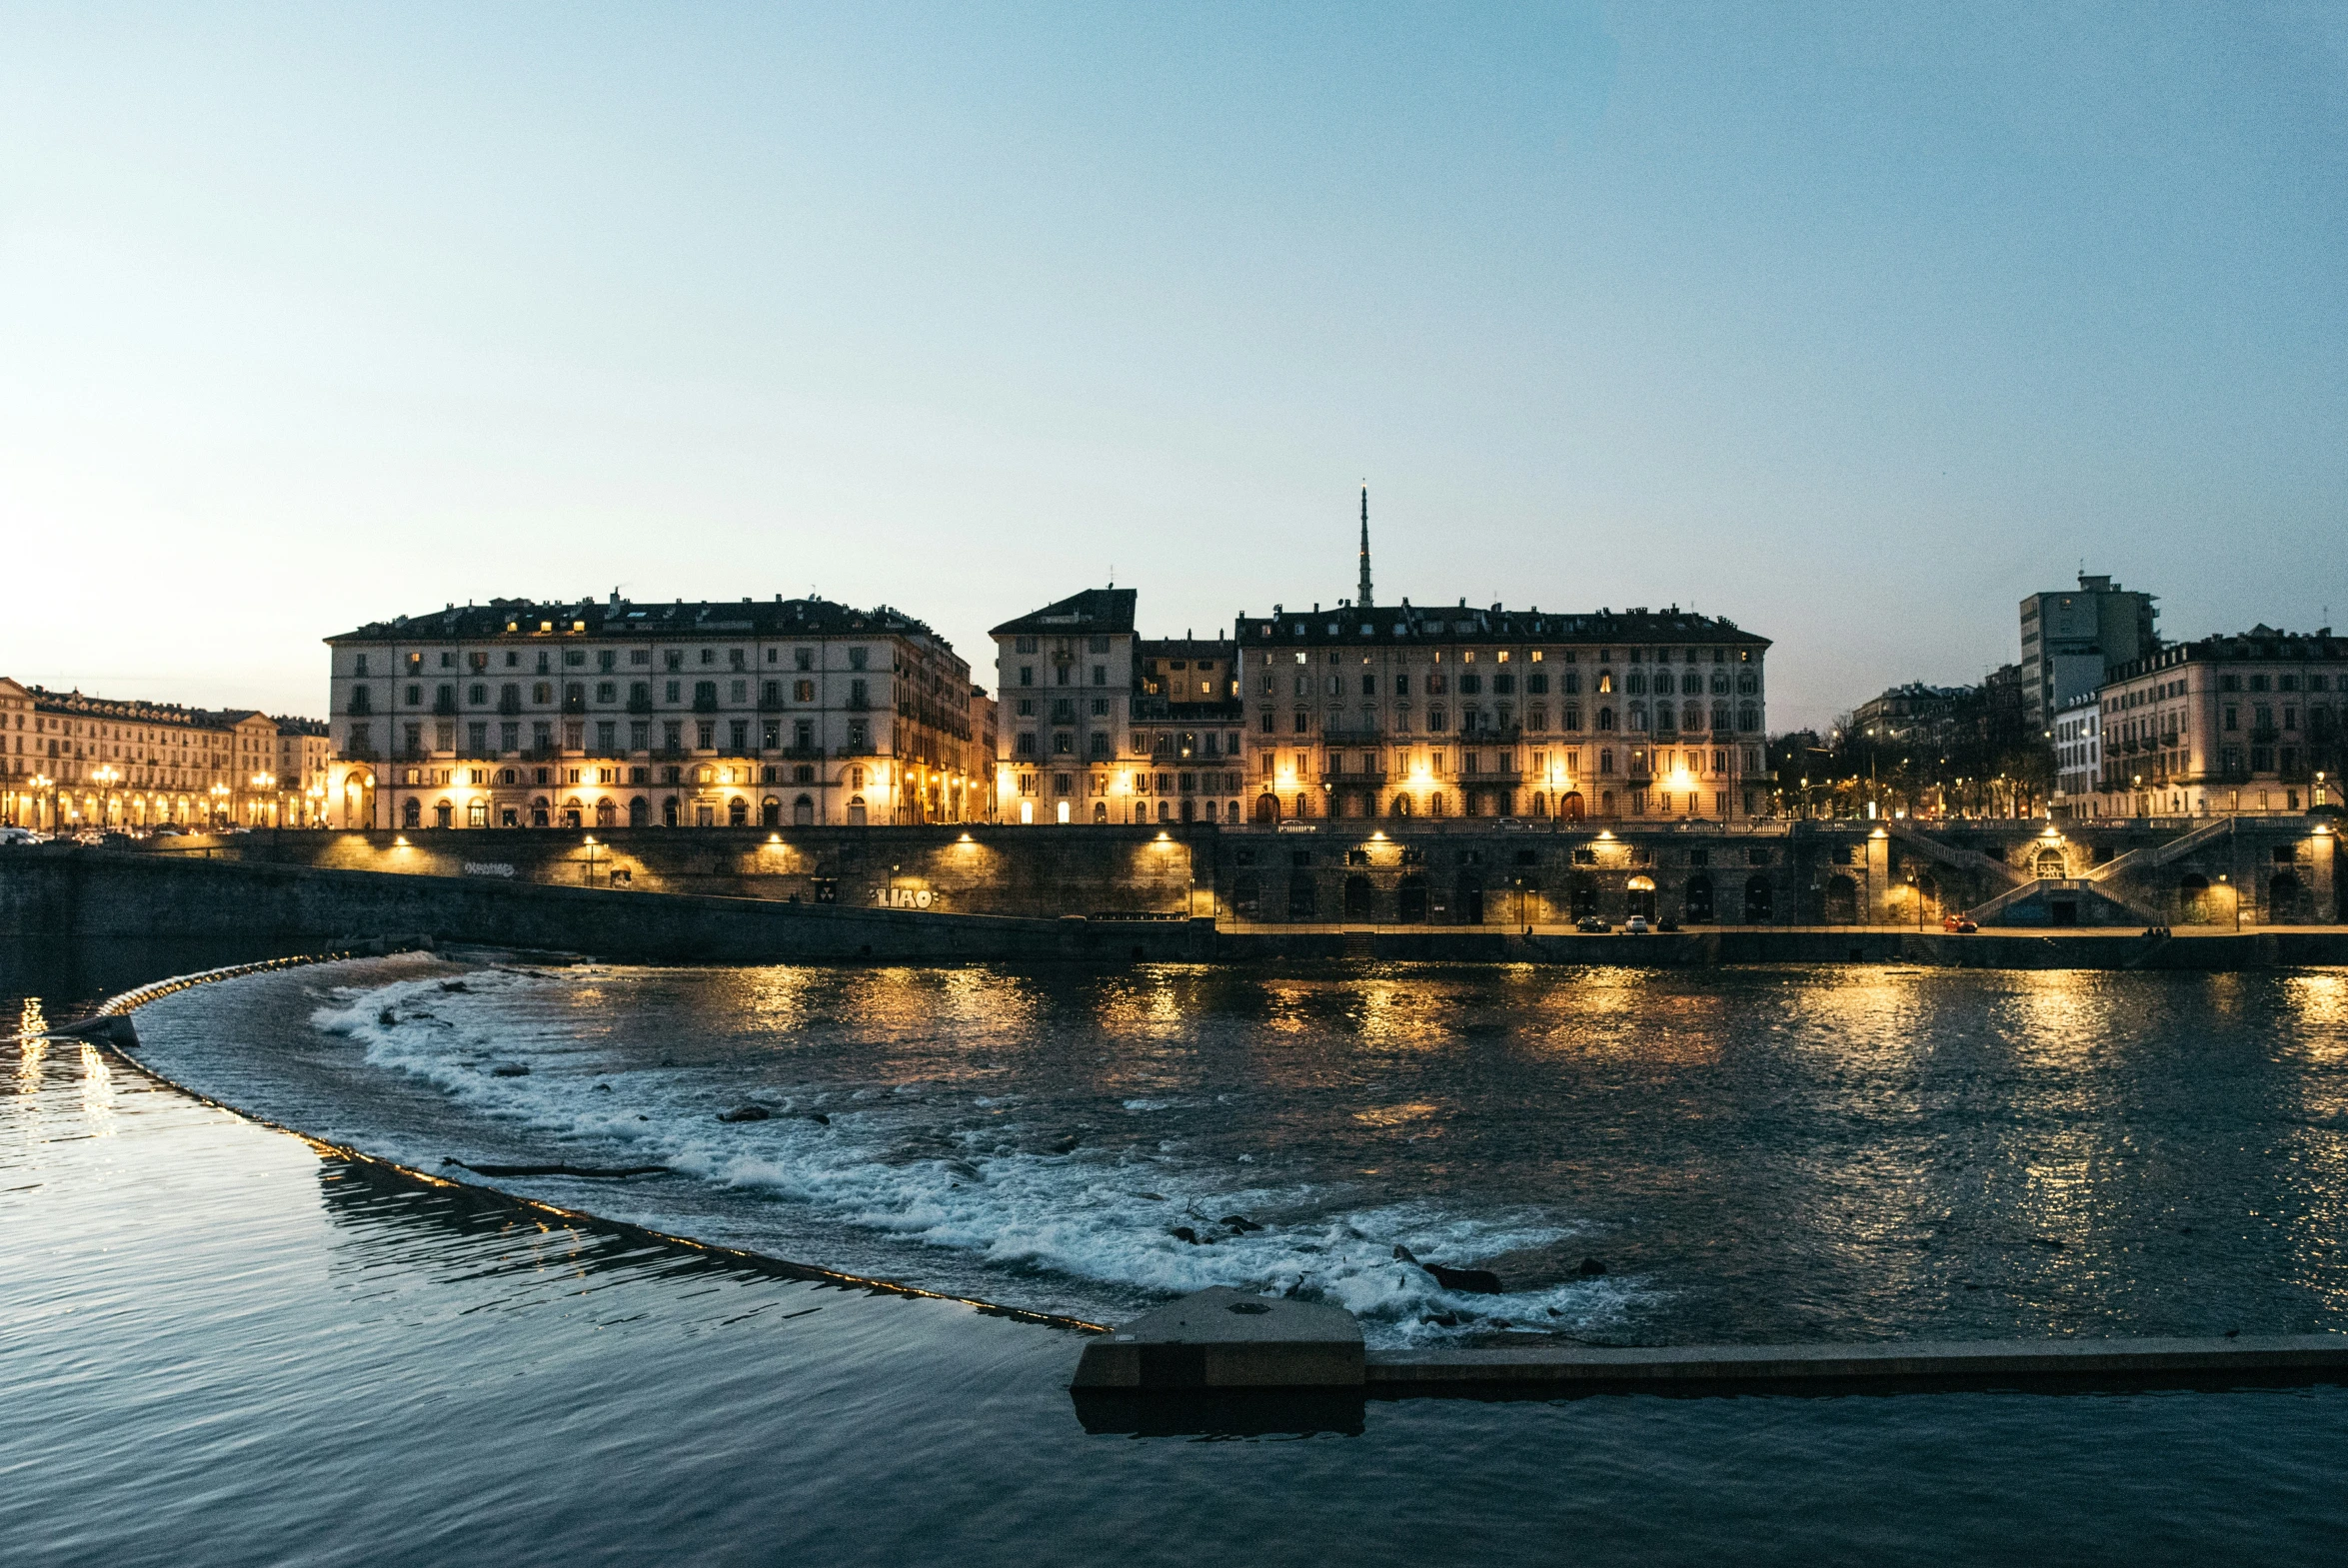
x=617, y=619
x=132, y=710
x=1408, y=623
x=2260, y=641
x=1096, y=609
x=1184, y=647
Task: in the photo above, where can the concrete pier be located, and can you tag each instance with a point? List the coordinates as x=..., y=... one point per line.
x=1228, y=1339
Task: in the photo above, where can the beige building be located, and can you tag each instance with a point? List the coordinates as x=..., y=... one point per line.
x=2243, y=724
x=520, y=714
x=68, y=761
x=1457, y=711
x=1101, y=726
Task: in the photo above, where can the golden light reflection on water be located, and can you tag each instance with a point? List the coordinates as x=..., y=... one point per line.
x=97, y=1092
x=31, y=1047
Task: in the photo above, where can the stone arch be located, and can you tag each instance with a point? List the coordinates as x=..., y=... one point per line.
x=736, y=811
x=1358, y=897
x=1699, y=898
x=2193, y=900
x=1842, y=901
x=604, y=813
x=1642, y=897
x=639, y=811
x=803, y=812
x=770, y=813
x=1267, y=808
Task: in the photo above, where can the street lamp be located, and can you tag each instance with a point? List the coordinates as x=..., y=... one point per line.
x=106, y=776
x=264, y=783
x=220, y=793
x=42, y=782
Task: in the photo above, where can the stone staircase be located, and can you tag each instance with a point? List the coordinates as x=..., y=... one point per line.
x=2074, y=887
x=1949, y=854
x=2151, y=855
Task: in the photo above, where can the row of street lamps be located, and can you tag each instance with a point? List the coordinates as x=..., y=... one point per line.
x=106, y=776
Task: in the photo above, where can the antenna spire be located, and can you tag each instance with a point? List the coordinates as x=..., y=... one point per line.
x=1367, y=599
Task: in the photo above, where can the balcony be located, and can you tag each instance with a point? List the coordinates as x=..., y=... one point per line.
x=574, y=704
x=509, y=704
x=705, y=705
x=1359, y=779
x=640, y=704
x=798, y=753
x=444, y=707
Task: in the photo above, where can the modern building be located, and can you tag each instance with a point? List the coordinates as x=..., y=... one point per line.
x=2072, y=641
x=68, y=760
x=2249, y=724
x=520, y=712
x=1364, y=711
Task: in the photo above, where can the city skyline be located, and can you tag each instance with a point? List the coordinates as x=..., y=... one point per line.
x=1853, y=330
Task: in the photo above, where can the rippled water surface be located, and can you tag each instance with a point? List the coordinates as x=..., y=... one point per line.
x=1761, y=1155
x=220, y=1346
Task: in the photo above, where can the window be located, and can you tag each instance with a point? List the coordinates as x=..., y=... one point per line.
x=856, y=658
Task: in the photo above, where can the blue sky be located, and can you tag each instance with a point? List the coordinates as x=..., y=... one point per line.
x=1852, y=322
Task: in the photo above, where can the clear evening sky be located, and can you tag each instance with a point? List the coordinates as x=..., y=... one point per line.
x=1852, y=322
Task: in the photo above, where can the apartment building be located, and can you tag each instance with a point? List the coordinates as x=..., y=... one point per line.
x=521, y=713
x=68, y=760
x=1364, y=711
x=2250, y=722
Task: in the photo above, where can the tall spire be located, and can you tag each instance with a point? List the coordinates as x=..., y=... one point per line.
x=1367, y=599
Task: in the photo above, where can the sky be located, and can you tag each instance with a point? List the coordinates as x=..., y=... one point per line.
x=1853, y=324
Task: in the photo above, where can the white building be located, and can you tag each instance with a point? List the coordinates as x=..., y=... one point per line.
x=521, y=713
x=2078, y=753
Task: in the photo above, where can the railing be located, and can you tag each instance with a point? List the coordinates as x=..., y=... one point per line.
x=444, y=707
x=705, y=705
x=509, y=704
x=574, y=704
x=1333, y=776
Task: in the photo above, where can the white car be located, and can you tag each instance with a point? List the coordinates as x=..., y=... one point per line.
x=18, y=835
x=1636, y=925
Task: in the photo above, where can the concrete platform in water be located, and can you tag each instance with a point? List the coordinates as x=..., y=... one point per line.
x=1228, y=1339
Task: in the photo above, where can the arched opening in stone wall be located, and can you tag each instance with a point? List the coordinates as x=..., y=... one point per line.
x=1842, y=901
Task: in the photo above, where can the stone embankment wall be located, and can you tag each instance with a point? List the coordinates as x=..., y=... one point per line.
x=100, y=894
x=1457, y=891
x=2267, y=870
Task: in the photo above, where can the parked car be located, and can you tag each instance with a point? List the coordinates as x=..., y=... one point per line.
x=165, y=830
x=1666, y=925
x=1958, y=924
x=1636, y=925
x=9, y=835
x=1591, y=922
x=89, y=835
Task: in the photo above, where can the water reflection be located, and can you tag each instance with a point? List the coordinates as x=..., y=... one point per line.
x=1751, y=1154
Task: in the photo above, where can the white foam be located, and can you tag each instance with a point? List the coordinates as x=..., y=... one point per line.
x=1079, y=1214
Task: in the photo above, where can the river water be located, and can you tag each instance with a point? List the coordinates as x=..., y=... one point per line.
x=224, y=1345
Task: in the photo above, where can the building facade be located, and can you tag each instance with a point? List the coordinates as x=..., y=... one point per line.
x=69, y=761
x=2072, y=641
x=1102, y=725
x=2247, y=723
x=525, y=713
x=1913, y=715
x=1364, y=711
x=2078, y=753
